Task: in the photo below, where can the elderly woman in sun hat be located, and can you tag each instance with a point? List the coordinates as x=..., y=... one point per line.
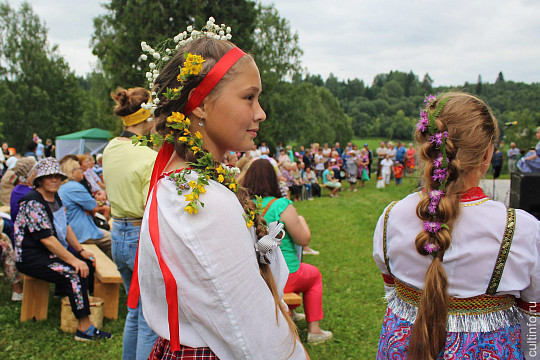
x=42, y=236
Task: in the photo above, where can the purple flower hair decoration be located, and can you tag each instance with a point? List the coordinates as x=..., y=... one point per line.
x=431, y=248
x=439, y=175
x=435, y=196
x=438, y=138
x=432, y=226
x=430, y=99
x=438, y=162
x=424, y=121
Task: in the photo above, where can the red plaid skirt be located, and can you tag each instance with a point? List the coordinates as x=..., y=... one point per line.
x=162, y=350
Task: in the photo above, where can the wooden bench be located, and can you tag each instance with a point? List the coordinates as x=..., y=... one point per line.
x=107, y=282
x=292, y=299
x=35, y=301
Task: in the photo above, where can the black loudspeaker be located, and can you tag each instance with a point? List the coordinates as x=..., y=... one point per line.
x=525, y=192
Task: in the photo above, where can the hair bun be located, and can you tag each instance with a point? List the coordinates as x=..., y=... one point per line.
x=121, y=96
x=129, y=100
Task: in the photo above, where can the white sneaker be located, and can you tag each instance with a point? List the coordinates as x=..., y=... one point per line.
x=315, y=339
x=310, y=252
x=297, y=316
x=16, y=296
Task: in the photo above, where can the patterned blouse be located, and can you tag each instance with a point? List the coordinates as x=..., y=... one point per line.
x=32, y=225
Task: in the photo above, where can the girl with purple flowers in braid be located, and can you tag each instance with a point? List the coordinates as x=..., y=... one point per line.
x=461, y=272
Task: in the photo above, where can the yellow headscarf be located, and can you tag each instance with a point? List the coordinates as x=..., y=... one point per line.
x=137, y=117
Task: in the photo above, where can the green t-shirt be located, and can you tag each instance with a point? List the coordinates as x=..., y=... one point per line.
x=287, y=243
x=325, y=176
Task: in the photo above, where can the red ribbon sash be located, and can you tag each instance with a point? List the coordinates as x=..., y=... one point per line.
x=164, y=155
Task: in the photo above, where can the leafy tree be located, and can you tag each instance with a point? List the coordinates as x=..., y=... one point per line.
x=239, y=15
x=275, y=47
x=316, y=80
x=524, y=132
x=38, y=91
x=118, y=34
x=380, y=80
x=370, y=93
x=409, y=83
x=394, y=89
x=427, y=83
x=355, y=88
x=479, y=85
x=97, y=103
x=304, y=113
x=334, y=85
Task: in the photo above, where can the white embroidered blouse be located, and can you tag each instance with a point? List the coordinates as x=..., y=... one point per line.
x=470, y=260
x=224, y=302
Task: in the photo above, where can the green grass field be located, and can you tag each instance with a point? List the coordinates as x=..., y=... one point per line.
x=341, y=230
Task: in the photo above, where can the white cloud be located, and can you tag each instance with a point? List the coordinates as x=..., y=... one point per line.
x=70, y=25
x=453, y=41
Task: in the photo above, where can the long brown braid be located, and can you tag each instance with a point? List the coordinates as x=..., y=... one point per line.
x=472, y=130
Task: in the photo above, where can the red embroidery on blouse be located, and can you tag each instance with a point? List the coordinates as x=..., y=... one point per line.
x=170, y=172
x=473, y=194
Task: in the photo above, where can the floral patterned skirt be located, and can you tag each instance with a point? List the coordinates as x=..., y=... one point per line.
x=503, y=344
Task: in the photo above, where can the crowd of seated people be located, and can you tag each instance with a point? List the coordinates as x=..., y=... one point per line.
x=47, y=248
x=303, y=172
x=42, y=238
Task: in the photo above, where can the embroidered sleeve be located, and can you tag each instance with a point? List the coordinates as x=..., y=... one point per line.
x=34, y=217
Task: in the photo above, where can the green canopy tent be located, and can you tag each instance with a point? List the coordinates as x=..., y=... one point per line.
x=87, y=141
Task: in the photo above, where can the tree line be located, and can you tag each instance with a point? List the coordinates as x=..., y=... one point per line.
x=40, y=93
x=389, y=106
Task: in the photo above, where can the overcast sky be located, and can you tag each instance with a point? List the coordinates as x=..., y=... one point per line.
x=452, y=40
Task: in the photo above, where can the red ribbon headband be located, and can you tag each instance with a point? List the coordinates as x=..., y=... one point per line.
x=212, y=78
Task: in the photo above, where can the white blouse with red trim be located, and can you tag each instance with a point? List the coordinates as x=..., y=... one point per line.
x=469, y=262
x=224, y=302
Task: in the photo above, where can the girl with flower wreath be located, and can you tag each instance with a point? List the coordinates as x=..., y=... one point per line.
x=209, y=273
x=461, y=272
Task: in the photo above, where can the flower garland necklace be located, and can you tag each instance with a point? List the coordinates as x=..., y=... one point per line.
x=205, y=165
x=440, y=164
